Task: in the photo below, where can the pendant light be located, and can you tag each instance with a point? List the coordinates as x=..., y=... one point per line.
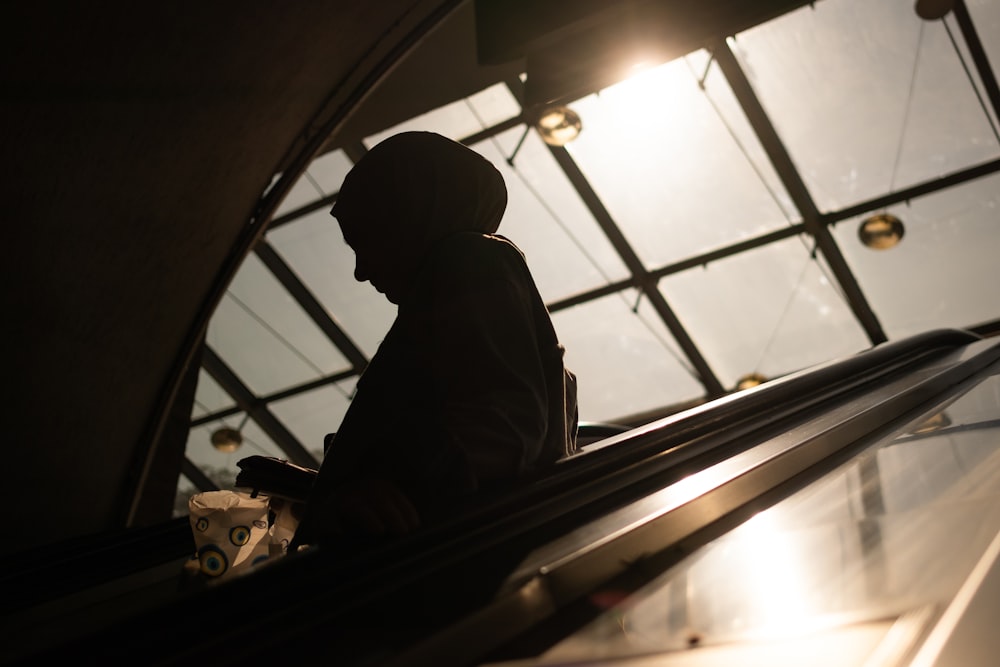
x=884, y=230
x=935, y=423
x=881, y=231
x=559, y=125
x=228, y=440
x=931, y=10
x=749, y=381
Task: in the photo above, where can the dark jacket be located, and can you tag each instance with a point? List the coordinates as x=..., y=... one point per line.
x=467, y=391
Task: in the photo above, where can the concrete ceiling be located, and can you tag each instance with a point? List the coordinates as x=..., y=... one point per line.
x=138, y=141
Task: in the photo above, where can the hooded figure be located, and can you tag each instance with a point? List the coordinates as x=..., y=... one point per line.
x=467, y=392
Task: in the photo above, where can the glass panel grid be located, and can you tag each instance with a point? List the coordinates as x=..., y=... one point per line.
x=311, y=416
x=566, y=250
x=943, y=271
x=771, y=310
x=624, y=361
x=322, y=178
x=262, y=333
x=455, y=121
x=668, y=168
x=325, y=263
x=200, y=451
x=209, y=397
x=874, y=100
x=985, y=16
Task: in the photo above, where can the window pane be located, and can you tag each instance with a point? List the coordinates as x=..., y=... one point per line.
x=844, y=107
x=566, y=250
x=771, y=310
x=322, y=178
x=209, y=397
x=264, y=335
x=986, y=17
x=494, y=105
x=455, y=121
x=624, y=361
x=667, y=167
x=325, y=263
x=943, y=272
x=312, y=415
x=202, y=453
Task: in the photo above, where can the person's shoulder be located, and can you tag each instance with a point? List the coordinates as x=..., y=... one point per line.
x=475, y=251
x=476, y=242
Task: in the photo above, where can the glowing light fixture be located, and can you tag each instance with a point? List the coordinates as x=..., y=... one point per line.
x=227, y=439
x=936, y=423
x=931, y=10
x=559, y=125
x=881, y=231
x=750, y=380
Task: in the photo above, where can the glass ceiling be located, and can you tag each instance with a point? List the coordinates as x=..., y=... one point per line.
x=696, y=261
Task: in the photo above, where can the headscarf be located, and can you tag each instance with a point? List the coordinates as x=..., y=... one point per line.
x=424, y=187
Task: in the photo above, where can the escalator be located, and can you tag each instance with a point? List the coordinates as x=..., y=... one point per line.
x=854, y=499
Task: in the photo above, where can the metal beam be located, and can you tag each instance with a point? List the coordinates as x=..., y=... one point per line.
x=919, y=190
x=303, y=211
x=643, y=279
x=257, y=410
x=677, y=267
x=355, y=150
x=493, y=130
x=314, y=309
x=986, y=329
x=715, y=255
x=796, y=188
x=216, y=416
x=201, y=481
x=640, y=276
x=979, y=56
x=590, y=295
x=277, y=396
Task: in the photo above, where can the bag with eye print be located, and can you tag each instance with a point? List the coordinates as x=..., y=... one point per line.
x=231, y=532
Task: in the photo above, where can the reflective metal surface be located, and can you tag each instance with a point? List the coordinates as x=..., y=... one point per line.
x=857, y=566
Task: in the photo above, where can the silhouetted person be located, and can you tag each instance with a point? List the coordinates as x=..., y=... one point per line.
x=467, y=393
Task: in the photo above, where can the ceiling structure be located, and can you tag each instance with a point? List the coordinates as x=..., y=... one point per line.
x=138, y=142
x=704, y=226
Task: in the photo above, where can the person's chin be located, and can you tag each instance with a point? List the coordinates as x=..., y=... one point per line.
x=389, y=294
x=392, y=291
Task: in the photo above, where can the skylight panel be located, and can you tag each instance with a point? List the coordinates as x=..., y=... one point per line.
x=312, y=415
x=665, y=163
x=325, y=263
x=771, y=310
x=264, y=335
x=626, y=362
x=209, y=397
x=943, y=272
x=867, y=97
x=565, y=249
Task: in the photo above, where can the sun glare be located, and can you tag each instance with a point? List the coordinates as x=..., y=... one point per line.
x=653, y=106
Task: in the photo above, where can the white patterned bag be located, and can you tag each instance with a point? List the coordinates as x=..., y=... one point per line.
x=230, y=530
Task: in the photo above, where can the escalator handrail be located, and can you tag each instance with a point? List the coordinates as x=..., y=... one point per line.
x=676, y=439
x=296, y=581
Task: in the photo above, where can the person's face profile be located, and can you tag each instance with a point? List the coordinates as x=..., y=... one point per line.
x=377, y=259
